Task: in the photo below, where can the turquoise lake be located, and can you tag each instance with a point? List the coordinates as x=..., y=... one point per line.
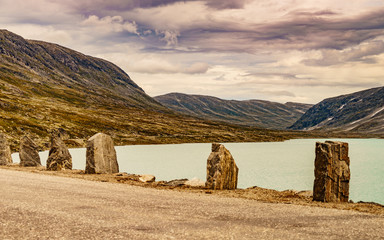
x=276, y=165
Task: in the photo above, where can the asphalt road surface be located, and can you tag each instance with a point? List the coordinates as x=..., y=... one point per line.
x=34, y=206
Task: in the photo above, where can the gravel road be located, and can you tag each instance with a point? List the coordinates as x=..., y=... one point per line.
x=34, y=206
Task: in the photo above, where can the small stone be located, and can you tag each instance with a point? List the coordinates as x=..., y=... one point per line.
x=101, y=155
x=305, y=194
x=332, y=173
x=176, y=182
x=147, y=178
x=195, y=182
x=120, y=174
x=29, y=153
x=59, y=157
x=222, y=172
x=5, y=151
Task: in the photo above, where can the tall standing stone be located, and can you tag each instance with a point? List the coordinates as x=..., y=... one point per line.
x=332, y=172
x=29, y=153
x=101, y=155
x=5, y=151
x=222, y=171
x=59, y=157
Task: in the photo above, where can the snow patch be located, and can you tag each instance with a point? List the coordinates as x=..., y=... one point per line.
x=375, y=113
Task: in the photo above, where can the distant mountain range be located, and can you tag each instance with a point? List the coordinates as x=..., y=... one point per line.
x=258, y=113
x=44, y=86
x=361, y=112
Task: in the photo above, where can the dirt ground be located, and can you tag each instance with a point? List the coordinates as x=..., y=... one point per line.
x=253, y=193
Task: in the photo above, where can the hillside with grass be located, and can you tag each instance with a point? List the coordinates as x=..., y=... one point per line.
x=45, y=86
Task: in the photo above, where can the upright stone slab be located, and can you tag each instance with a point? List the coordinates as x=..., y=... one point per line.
x=5, y=151
x=101, y=155
x=29, y=153
x=59, y=157
x=222, y=171
x=332, y=172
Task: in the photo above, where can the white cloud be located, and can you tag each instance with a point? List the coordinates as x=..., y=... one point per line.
x=364, y=52
x=170, y=37
x=111, y=23
x=44, y=33
x=275, y=50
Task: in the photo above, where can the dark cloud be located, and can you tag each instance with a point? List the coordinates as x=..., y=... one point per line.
x=302, y=31
x=310, y=82
x=273, y=75
x=227, y=4
x=102, y=6
x=299, y=30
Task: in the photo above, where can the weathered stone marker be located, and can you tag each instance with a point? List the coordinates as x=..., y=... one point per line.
x=332, y=172
x=59, y=157
x=222, y=171
x=29, y=153
x=101, y=155
x=5, y=151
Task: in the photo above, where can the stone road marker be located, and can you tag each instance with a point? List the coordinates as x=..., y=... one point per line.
x=59, y=157
x=5, y=151
x=222, y=171
x=332, y=173
x=101, y=155
x=29, y=153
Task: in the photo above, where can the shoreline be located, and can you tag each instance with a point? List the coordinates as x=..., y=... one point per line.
x=254, y=193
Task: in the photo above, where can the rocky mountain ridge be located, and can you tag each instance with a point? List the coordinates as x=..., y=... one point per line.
x=257, y=113
x=45, y=86
x=49, y=69
x=361, y=112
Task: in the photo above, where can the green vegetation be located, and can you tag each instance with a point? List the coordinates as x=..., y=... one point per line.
x=45, y=86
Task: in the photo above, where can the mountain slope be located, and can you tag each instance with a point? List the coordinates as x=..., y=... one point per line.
x=52, y=70
x=361, y=112
x=45, y=86
x=250, y=113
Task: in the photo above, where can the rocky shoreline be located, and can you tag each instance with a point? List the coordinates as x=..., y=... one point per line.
x=253, y=193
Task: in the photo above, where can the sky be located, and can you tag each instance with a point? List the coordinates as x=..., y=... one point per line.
x=283, y=51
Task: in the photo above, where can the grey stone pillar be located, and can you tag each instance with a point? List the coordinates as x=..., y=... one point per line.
x=5, y=151
x=29, y=154
x=332, y=173
x=59, y=157
x=101, y=155
x=222, y=171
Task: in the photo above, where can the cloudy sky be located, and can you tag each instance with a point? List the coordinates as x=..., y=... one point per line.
x=291, y=50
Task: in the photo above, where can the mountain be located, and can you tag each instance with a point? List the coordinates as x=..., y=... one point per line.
x=44, y=86
x=258, y=113
x=50, y=70
x=360, y=112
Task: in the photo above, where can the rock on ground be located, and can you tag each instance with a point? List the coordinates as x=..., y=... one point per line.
x=59, y=157
x=222, y=172
x=195, y=182
x=332, y=173
x=5, y=151
x=101, y=155
x=147, y=178
x=29, y=153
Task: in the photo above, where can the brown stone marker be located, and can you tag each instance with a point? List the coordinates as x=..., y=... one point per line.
x=5, y=151
x=332, y=172
x=29, y=153
x=59, y=157
x=101, y=155
x=222, y=171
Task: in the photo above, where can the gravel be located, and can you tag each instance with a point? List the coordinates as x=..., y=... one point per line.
x=36, y=206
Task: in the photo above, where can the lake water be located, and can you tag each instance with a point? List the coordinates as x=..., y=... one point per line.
x=277, y=165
